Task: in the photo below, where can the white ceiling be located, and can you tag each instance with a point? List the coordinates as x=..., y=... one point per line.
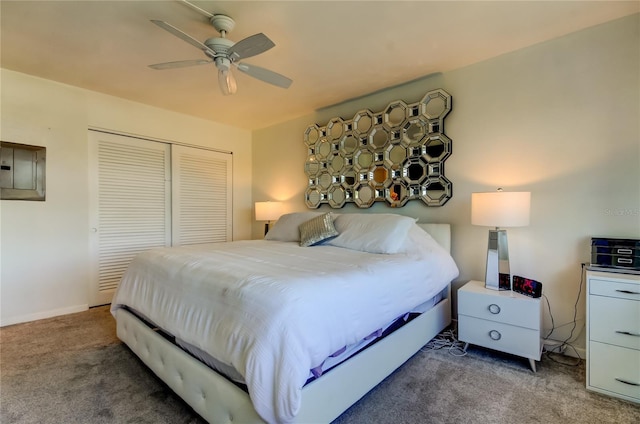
x=333, y=50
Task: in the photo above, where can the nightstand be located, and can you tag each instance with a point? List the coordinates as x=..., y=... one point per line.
x=500, y=320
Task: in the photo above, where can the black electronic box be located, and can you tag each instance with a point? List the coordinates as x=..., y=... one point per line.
x=615, y=252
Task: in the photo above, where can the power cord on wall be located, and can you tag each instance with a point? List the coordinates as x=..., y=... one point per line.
x=567, y=342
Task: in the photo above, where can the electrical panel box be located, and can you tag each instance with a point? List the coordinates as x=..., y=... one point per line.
x=22, y=171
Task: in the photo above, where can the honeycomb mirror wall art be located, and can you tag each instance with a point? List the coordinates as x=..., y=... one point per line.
x=391, y=156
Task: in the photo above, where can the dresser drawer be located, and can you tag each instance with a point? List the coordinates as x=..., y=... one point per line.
x=504, y=307
x=611, y=288
x=614, y=321
x=499, y=336
x=614, y=370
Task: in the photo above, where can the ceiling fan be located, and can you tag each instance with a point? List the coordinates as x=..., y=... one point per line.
x=224, y=53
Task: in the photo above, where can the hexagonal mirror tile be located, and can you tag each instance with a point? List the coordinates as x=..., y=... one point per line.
x=348, y=177
x=380, y=175
x=324, y=180
x=436, y=104
x=395, y=115
x=437, y=148
x=363, y=195
x=312, y=166
x=348, y=145
x=414, y=170
x=414, y=132
x=323, y=149
x=336, y=196
x=336, y=163
x=437, y=191
x=378, y=138
x=362, y=122
x=395, y=155
x=313, y=197
x=311, y=135
x=397, y=194
x=363, y=160
x=335, y=129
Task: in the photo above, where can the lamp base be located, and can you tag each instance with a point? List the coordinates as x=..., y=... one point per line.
x=498, y=275
x=266, y=228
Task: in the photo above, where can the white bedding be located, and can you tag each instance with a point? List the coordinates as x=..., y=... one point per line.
x=273, y=310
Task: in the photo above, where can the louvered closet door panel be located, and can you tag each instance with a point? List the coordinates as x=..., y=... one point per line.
x=130, y=208
x=201, y=189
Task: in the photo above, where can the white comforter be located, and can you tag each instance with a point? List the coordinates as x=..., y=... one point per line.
x=274, y=310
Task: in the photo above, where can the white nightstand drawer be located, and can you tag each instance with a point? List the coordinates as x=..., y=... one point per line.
x=503, y=337
x=614, y=370
x=622, y=290
x=614, y=321
x=506, y=307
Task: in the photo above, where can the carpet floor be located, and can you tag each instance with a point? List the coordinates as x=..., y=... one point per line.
x=73, y=369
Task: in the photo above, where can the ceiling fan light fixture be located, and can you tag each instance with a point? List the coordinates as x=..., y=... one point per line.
x=227, y=82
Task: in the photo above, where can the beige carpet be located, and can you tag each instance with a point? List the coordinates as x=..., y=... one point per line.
x=73, y=369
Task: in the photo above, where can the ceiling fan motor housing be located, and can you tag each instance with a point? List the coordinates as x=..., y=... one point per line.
x=222, y=23
x=219, y=45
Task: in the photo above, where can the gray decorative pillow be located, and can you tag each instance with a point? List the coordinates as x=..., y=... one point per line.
x=317, y=230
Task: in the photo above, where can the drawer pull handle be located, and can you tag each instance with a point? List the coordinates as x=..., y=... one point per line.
x=627, y=333
x=631, y=383
x=495, y=335
x=494, y=309
x=624, y=251
x=627, y=292
x=624, y=260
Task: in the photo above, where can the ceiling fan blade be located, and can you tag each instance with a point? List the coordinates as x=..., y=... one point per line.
x=265, y=75
x=250, y=46
x=194, y=7
x=184, y=36
x=179, y=64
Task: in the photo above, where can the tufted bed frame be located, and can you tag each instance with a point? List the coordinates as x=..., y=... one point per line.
x=218, y=400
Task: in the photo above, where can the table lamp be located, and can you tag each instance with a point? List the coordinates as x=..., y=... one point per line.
x=499, y=209
x=268, y=211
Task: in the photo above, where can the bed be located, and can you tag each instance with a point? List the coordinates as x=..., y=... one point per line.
x=277, y=310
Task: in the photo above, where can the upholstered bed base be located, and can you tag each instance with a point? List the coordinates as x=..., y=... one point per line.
x=218, y=400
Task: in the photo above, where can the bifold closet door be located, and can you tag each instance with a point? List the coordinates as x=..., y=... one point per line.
x=130, y=205
x=202, y=200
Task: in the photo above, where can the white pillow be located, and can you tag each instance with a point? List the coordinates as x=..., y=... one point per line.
x=373, y=233
x=419, y=241
x=287, y=227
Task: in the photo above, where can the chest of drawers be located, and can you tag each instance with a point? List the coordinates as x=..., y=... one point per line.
x=613, y=334
x=500, y=320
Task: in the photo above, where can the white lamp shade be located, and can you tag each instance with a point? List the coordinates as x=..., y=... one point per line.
x=501, y=209
x=268, y=211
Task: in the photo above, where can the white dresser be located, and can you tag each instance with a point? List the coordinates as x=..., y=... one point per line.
x=613, y=334
x=500, y=320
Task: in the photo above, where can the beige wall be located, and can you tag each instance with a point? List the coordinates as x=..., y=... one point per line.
x=45, y=245
x=559, y=119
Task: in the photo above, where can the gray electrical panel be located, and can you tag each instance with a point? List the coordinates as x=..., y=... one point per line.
x=22, y=171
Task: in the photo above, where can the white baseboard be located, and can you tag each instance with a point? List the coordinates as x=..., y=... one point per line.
x=575, y=351
x=551, y=345
x=42, y=315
